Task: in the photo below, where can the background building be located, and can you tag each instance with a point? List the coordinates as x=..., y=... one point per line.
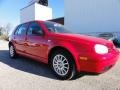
x=35, y=11
x=91, y=16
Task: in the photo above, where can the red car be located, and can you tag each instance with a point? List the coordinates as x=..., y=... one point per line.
x=65, y=52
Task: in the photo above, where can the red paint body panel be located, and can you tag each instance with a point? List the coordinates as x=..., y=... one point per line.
x=102, y=64
x=39, y=47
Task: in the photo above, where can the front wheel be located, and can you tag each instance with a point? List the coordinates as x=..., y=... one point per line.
x=62, y=64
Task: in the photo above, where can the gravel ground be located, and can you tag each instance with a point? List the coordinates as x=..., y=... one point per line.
x=25, y=74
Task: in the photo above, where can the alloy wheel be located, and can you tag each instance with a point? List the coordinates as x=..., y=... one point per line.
x=60, y=65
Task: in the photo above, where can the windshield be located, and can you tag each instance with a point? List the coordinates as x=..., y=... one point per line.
x=55, y=27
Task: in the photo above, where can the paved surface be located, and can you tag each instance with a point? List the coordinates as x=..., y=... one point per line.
x=25, y=74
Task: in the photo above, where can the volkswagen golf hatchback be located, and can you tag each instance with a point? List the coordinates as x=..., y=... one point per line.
x=66, y=53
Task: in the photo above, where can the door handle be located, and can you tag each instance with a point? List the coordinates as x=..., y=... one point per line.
x=37, y=45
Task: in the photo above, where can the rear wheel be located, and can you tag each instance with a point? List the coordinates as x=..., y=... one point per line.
x=12, y=52
x=62, y=64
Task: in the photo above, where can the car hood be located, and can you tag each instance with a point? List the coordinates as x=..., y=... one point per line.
x=82, y=38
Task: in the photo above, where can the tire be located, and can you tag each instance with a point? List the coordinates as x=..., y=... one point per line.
x=62, y=65
x=12, y=52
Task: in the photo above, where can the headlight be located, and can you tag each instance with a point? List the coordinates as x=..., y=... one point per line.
x=101, y=49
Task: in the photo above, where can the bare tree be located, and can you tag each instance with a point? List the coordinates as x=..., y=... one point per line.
x=0, y=31
x=8, y=28
x=4, y=31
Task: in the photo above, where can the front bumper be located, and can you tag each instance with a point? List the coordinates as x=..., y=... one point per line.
x=99, y=64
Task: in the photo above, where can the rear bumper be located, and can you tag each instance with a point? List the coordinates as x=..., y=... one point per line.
x=100, y=64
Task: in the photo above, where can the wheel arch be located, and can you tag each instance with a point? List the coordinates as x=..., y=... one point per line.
x=67, y=50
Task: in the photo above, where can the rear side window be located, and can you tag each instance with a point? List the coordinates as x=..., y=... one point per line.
x=21, y=30
x=35, y=29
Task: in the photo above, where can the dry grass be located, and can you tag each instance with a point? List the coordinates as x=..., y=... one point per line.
x=4, y=37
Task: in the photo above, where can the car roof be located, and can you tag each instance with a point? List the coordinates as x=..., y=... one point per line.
x=35, y=21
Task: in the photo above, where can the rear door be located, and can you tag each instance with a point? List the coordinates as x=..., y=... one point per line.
x=20, y=37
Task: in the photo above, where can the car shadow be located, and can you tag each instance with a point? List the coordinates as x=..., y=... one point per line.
x=81, y=74
x=31, y=66
x=26, y=65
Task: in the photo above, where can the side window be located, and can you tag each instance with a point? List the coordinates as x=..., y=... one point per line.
x=21, y=30
x=16, y=30
x=35, y=29
x=50, y=26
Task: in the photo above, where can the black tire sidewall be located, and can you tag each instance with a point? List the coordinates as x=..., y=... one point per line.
x=15, y=55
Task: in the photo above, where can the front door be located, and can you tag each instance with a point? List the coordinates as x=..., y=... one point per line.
x=36, y=41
